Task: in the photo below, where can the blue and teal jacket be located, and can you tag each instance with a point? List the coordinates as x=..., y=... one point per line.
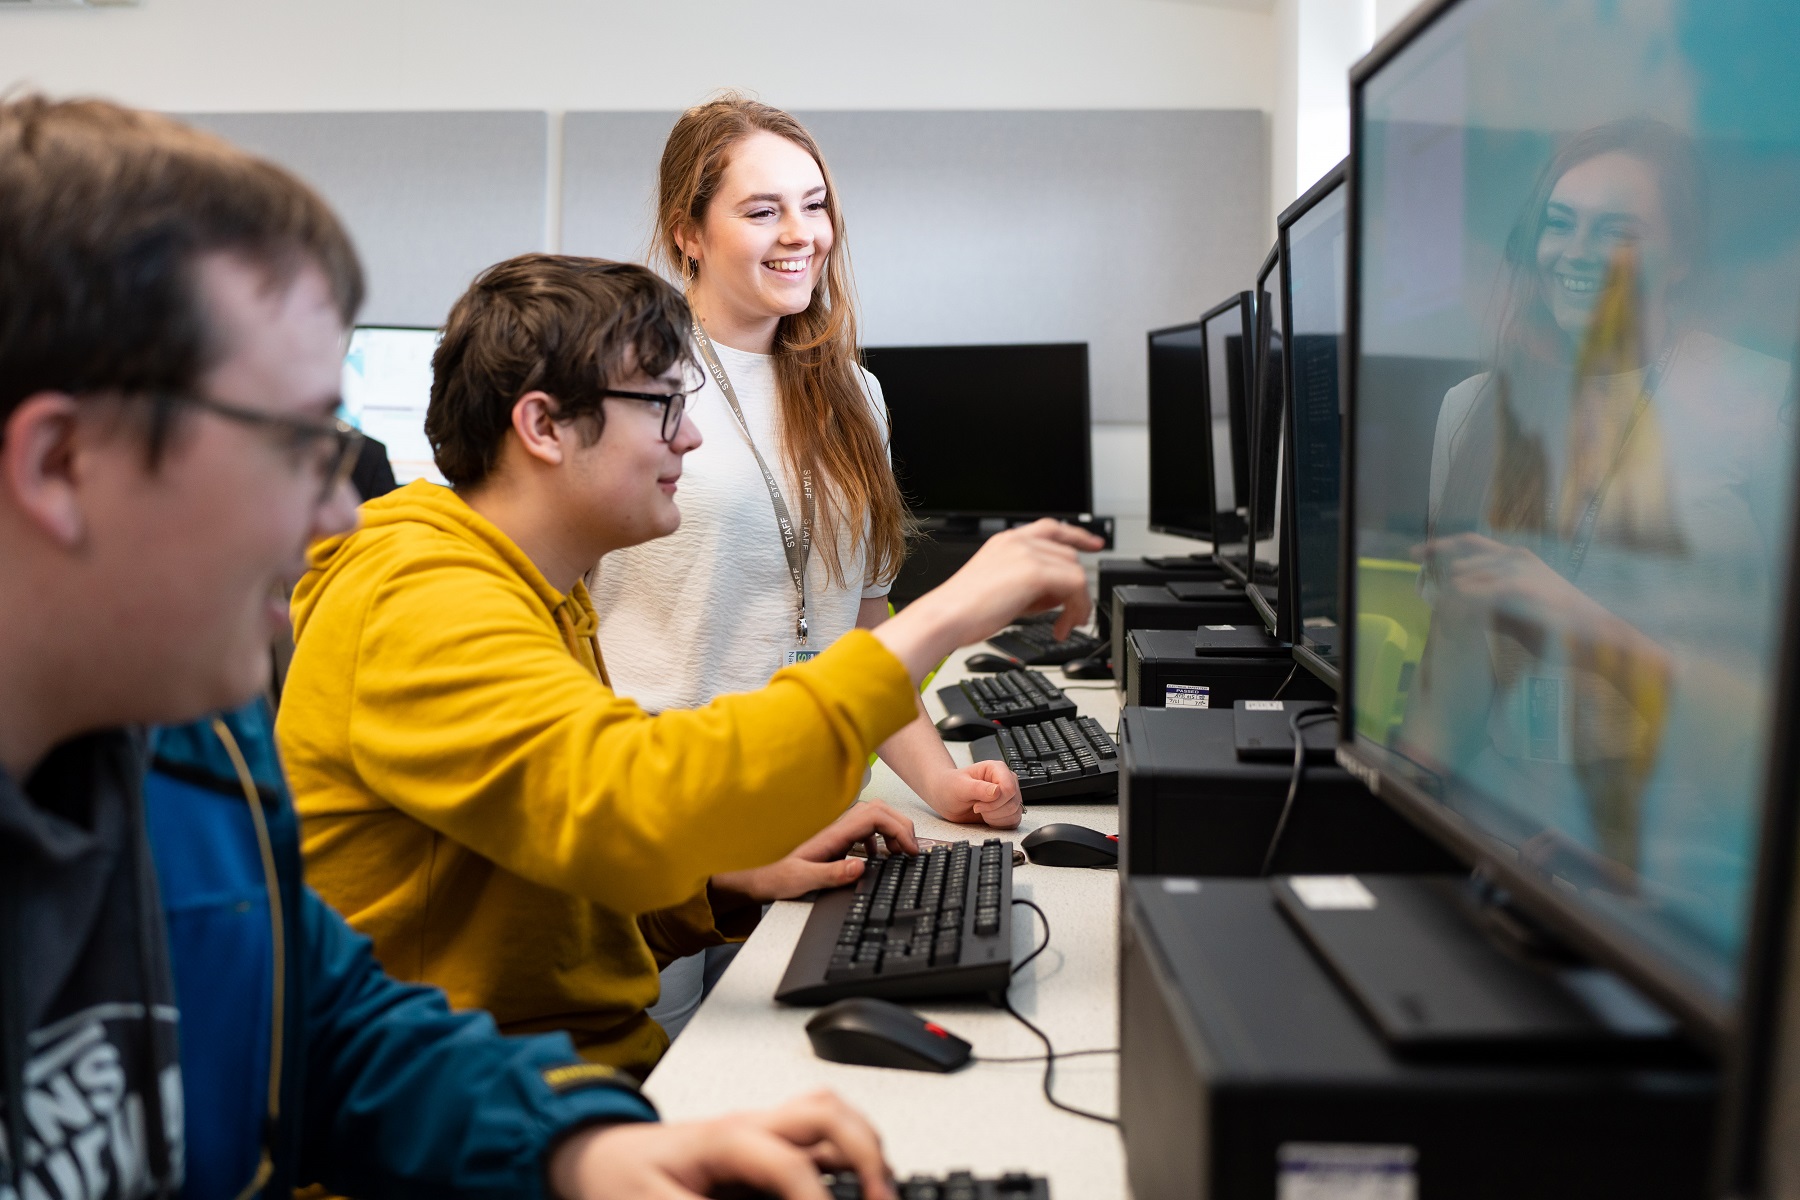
x=383, y=1090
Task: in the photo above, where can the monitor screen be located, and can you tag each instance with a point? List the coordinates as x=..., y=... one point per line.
x=1585, y=216
x=1228, y=338
x=1181, y=478
x=1268, y=457
x=988, y=430
x=387, y=388
x=1314, y=242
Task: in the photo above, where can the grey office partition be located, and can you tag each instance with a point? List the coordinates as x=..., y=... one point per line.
x=968, y=227
x=430, y=197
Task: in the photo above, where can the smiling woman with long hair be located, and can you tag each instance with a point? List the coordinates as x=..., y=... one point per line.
x=793, y=527
x=1590, y=492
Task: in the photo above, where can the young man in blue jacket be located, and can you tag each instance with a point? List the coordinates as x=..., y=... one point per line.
x=171, y=323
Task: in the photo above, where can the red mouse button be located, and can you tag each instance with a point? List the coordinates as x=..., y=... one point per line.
x=1112, y=837
x=934, y=1027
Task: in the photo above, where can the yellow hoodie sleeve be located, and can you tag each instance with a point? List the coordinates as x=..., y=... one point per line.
x=469, y=714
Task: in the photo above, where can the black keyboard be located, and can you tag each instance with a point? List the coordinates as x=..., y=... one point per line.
x=1036, y=645
x=1066, y=759
x=957, y=1185
x=1009, y=697
x=934, y=924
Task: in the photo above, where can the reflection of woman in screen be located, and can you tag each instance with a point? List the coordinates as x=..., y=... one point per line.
x=1577, y=485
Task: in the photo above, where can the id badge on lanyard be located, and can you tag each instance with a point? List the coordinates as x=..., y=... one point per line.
x=795, y=544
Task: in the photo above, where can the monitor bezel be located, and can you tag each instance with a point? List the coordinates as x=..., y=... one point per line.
x=1174, y=530
x=1702, y=1015
x=1086, y=424
x=1305, y=653
x=1245, y=303
x=1752, y=1058
x=1277, y=617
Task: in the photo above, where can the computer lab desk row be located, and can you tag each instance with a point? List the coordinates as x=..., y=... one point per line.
x=743, y=1050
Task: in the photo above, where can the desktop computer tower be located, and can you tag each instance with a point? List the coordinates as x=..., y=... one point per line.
x=1154, y=606
x=1188, y=806
x=1162, y=668
x=1245, y=1071
x=1120, y=572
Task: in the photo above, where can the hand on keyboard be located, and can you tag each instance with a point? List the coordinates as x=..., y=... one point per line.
x=819, y=862
x=779, y=1151
x=983, y=791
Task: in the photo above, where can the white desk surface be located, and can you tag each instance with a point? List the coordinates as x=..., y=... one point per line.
x=742, y=1050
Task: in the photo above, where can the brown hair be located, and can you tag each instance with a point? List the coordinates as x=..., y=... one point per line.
x=1532, y=357
x=826, y=424
x=104, y=211
x=544, y=322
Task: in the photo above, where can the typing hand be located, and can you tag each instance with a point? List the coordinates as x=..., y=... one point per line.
x=982, y=791
x=820, y=862
x=779, y=1151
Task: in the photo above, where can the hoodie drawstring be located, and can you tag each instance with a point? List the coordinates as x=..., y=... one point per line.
x=265, y=1164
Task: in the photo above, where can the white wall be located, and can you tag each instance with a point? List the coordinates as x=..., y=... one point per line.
x=323, y=55
x=1316, y=44
x=226, y=56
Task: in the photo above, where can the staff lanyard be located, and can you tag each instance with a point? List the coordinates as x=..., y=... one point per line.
x=797, y=546
x=1584, y=529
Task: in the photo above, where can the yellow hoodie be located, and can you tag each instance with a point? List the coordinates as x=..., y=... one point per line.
x=476, y=799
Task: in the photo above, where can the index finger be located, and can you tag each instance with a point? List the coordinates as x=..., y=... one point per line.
x=1073, y=536
x=823, y=1120
x=892, y=825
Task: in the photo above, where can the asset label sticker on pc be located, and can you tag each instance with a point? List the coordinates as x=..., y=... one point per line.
x=1187, y=695
x=1263, y=705
x=1331, y=893
x=1345, y=1171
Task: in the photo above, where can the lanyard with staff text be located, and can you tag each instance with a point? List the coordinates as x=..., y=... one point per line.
x=1584, y=529
x=796, y=544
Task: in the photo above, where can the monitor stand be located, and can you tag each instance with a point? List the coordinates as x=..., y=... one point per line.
x=1439, y=968
x=1180, y=562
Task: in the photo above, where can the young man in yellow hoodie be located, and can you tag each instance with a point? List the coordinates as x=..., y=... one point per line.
x=475, y=797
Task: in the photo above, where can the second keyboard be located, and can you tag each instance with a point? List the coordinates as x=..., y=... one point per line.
x=1070, y=758
x=1009, y=697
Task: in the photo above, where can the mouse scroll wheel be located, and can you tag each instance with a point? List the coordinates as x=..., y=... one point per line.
x=939, y=1030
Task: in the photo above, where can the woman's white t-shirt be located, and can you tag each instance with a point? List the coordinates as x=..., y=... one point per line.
x=710, y=608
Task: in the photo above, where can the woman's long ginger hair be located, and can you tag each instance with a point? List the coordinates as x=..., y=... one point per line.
x=827, y=426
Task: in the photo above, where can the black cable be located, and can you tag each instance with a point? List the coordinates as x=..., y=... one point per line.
x=1024, y=1058
x=1050, y=1056
x=1296, y=720
x=1285, y=682
x=1041, y=946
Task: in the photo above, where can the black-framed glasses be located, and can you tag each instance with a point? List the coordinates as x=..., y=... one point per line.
x=674, y=405
x=329, y=447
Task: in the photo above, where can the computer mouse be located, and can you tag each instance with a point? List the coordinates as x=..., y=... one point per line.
x=878, y=1033
x=1065, y=845
x=1094, y=666
x=965, y=727
x=992, y=662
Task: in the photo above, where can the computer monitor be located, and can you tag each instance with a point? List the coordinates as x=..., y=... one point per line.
x=1181, y=477
x=1312, y=296
x=386, y=390
x=1564, y=617
x=989, y=431
x=1228, y=331
x=1268, y=580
